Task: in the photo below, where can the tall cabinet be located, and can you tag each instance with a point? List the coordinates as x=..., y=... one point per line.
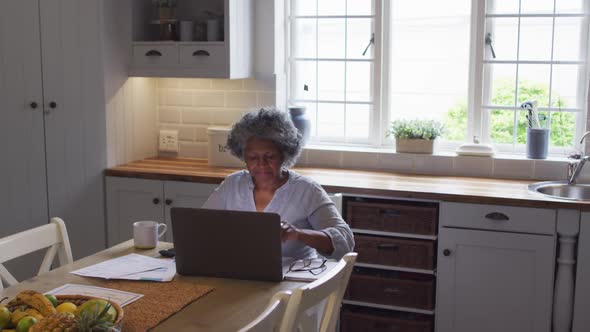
x=52, y=121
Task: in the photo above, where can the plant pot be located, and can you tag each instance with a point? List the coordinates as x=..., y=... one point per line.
x=414, y=145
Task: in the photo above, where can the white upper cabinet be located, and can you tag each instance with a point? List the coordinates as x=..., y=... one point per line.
x=196, y=38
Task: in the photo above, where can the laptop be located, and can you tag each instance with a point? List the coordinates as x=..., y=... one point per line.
x=227, y=244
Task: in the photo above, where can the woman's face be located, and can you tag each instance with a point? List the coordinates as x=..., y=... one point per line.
x=263, y=160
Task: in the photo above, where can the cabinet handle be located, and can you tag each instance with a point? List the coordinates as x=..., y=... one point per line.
x=156, y=201
x=52, y=105
x=497, y=216
x=387, y=246
x=201, y=53
x=33, y=105
x=168, y=201
x=390, y=213
x=153, y=53
x=447, y=252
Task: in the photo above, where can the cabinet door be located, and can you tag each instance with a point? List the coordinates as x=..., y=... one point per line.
x=494, y=281
x=75, y=135
x=582, y=293
x=130, y=200
x=184, y=194
x=23, y=197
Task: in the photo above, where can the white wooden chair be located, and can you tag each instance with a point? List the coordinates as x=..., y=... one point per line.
x=53, y=236
x=270, y=319
x=329, y=289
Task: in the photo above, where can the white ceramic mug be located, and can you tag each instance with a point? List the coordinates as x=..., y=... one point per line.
x=146, y=235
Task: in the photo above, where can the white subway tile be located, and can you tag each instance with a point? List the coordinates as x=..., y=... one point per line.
x=259, y=85
x=193, y=150
x=184, y=133
x=241, y=99
x=201, y=134
x=473, y=166
x=266, y=99
x=433, y=164
x=324, y=158
x=398, y=162
x=550, y=170
x=363, y=160
x=224, y=84
x=224, y=117
x=177, y=98
x=168, y=83
x=209, y=99
x=195, y=83
x=513, y=168
x=197, y=116
x=169, y=114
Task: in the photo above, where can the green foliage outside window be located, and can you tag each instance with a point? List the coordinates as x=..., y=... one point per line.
x=502, y=121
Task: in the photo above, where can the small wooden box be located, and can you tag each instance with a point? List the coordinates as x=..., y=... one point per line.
x=354, y=319
x=397, y=216
x=410, y=253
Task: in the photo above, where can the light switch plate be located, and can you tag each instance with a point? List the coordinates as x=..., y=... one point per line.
x=168, y=141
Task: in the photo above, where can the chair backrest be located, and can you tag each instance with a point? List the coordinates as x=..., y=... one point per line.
x=329, y=288
x=53, y=236
x=270, y=319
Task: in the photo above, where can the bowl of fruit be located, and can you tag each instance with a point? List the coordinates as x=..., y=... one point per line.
x=31, y=311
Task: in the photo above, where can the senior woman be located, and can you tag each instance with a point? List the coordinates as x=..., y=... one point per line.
x=268, y=142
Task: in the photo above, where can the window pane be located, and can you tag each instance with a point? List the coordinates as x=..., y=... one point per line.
x=502, y=6
x=331, y=38
x=535, y=38
x=533, y=84
x=536, y=6
x=502, y=126
x=358, y=37
x=429, y=58
x=504, y=38
x=569, y=6
x=331, y=80
x=357, y=121
x=331, y=7
x=455, y=122
x=564, y=86
x=303, y=80
x=359, y=7
x=358, y=81
x=303, y=7
x=568, y=36
x=330, y=120
x=563, y=127
x=502, y=81
x=304, y=38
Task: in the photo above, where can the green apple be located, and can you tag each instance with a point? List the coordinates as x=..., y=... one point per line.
x=25, y=323
x=52, y=299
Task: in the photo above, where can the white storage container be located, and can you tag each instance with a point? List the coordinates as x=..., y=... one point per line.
x=218, y=154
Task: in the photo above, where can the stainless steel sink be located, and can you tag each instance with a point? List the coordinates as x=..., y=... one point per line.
x=563, y=190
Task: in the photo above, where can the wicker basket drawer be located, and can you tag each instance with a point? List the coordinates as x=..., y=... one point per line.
x=399, y=217
x=354, y=319
x=417, y=254
x=392, y=288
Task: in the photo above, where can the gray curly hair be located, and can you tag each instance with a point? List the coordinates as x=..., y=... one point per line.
x=270, y=124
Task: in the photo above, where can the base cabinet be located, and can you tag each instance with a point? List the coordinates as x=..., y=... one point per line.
x=581, y=318
x=130, y=200
x=494, y=281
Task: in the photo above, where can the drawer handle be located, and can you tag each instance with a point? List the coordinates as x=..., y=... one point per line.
x=392, y=290
x=387, y=246
x=201, y=53
x=153, y=53
x=497, y=216
x=390, y=213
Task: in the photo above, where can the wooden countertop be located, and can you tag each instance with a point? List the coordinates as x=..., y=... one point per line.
x=362, y=182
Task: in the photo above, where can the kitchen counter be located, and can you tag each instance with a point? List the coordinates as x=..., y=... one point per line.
x=359, y=182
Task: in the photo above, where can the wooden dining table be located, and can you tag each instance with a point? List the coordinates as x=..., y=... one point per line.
x=232, y=304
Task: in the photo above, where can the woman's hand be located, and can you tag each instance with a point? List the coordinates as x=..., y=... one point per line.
x=288, y=232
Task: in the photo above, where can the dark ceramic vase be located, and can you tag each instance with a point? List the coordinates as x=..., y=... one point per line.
x=301, y=121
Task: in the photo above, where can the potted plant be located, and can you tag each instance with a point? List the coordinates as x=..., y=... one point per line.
x=415, y=136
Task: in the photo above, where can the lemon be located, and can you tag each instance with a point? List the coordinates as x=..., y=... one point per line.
x=4, y=317
x=67, y=307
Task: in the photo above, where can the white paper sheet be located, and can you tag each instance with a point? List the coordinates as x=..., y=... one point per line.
x=122, y=298
x=121, y=266
x=164, y=274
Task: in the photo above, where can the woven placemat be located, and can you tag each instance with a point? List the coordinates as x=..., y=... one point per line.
x=159, y=301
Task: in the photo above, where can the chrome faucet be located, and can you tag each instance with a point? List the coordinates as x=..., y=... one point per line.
x=578, y=167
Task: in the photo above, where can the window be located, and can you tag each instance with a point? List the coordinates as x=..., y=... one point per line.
x=358, y=64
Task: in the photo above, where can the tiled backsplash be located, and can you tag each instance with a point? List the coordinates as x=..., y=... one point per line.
x=192, y=105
